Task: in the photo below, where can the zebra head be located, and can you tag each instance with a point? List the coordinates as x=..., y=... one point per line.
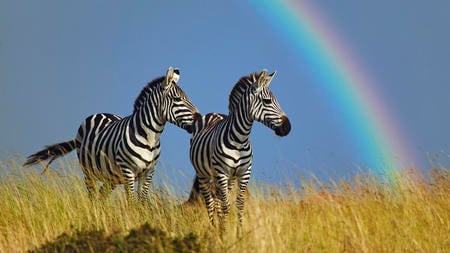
x=265, y=107
x=177, y=107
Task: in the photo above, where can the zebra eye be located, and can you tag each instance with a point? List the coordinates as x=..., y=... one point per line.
x=177, y=99
x=267, y=101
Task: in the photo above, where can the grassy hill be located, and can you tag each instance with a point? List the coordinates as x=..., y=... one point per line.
x=51, y=212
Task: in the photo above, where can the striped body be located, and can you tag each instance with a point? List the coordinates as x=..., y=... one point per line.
x=113, y=151
x=221, y=152
x=117, y=150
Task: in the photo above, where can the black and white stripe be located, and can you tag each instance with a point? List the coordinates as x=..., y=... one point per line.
x=221, y=152
x=116, y=150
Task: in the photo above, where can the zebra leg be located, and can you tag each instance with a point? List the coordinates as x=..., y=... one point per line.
x=223, y=196
x=205, y=189
x=195, y=195
x=216, y=199
x=242, y=187
x=129, y=184
x=144, y=185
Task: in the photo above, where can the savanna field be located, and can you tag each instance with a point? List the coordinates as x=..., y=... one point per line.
x=51, y=212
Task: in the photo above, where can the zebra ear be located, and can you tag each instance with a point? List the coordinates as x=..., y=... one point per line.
x=269, y=78
x=172, y=77
x=261, y=82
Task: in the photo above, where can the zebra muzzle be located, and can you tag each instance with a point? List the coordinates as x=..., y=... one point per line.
x=285, y=127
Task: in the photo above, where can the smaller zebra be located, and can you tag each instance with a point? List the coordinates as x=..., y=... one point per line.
x=221, y=152
x=116, y=150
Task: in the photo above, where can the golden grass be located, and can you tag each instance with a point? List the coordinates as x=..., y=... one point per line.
x=410, y=213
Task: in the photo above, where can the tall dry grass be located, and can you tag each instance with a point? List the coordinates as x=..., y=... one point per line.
x=409, y=213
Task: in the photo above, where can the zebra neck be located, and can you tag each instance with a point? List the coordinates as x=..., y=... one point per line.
x=147, y=122
x=239, y=126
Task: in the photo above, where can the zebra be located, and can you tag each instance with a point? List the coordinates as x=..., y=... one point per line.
x=220, y=150
x=116, y=150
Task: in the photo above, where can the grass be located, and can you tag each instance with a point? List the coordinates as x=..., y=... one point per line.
x=52, y=213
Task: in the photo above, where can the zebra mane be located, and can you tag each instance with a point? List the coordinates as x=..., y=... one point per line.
x=239, y=88
x=149, y=88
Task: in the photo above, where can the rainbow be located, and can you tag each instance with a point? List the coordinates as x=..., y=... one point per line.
x=348, y=86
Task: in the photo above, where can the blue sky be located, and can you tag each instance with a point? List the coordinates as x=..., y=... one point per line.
x=62, y=61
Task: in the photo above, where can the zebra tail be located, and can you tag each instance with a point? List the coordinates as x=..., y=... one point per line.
x=52, y=152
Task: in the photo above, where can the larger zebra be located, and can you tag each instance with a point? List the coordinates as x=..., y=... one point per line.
x=221, y=152
x=118, y=150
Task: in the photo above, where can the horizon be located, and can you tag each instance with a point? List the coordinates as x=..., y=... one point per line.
x=64, y=61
